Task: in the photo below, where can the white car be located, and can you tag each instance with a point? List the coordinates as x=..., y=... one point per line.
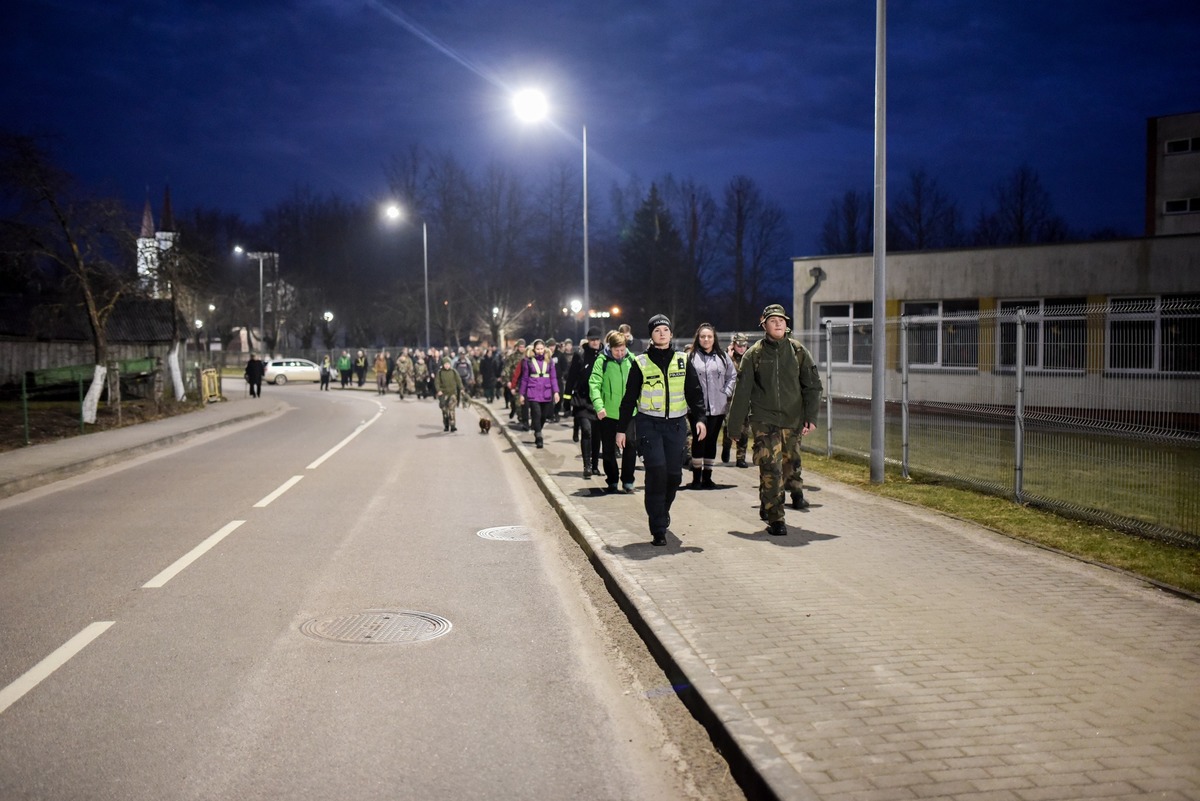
x=281, y=371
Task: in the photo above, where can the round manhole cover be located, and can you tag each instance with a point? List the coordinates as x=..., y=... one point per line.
x=378, y=626
x=510, y=533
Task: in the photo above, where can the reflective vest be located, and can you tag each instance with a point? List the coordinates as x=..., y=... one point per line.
x=539, y=369
x=662, y=397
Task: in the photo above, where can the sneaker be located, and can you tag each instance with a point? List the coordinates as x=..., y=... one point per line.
x=798, y=501
x=587, y=471
x=777, y=529
x=628, y=488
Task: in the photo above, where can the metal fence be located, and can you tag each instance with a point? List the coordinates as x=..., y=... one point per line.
x=1092, y=411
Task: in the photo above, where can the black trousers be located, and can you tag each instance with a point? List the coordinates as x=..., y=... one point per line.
x=608, y=441
x=539, y=413
x=661, y=441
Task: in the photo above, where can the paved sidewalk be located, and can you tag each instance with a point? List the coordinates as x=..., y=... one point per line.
x=38, y=465
x=881, y=651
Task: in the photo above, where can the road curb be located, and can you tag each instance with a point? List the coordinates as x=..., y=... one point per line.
x=757, y=765
x=51, y=475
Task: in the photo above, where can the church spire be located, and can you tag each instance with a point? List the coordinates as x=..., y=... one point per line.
x=147, y=219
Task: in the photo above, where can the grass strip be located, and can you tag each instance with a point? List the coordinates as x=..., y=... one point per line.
x=1167, y=564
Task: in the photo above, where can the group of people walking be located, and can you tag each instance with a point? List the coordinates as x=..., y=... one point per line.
x=669, y=406
x=672, y=407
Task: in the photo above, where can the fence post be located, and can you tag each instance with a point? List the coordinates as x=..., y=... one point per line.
x=904, y=396
x=80, y=405
x=1019, y=414
x=828, y=391
x=25, y=405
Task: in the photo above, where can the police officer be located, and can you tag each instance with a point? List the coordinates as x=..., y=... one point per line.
x=778, y=386
x=664, y=388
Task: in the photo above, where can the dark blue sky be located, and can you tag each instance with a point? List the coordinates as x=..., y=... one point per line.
x=235, y=103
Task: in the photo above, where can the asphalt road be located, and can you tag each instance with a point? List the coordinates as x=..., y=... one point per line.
x=151, y=615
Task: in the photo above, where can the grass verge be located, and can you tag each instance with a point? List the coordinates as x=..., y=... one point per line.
x=1167, y=564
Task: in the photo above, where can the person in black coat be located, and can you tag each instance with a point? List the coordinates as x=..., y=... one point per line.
x=585, y=416
x=254, y=375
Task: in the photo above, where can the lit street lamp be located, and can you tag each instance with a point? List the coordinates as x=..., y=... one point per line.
x=260, y=255
x=392, y=212
x=531, y=106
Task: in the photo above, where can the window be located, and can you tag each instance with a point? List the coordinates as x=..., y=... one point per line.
x=1176, y=146
x=943, y=333
x=1181, y=205
x=849, y=333
x=1055, y=333
x=1149, y=334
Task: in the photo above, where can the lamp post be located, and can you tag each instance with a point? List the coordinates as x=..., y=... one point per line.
x=260, y=255
x=531, y=106
x=392, y=212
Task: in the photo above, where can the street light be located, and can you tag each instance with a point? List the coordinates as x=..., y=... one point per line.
x=392, y=212
x=530, y=105
x=260, y=255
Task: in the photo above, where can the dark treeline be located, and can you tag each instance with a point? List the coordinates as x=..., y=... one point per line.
x=505, y=253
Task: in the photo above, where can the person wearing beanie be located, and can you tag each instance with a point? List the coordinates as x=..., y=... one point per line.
x=737, y=349
x=664, y=389
x=448, y=386
x=780, y=390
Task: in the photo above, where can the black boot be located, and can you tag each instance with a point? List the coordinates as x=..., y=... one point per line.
x=798, y=501
x=695, y=480
x=725, y=453
x=706, y=481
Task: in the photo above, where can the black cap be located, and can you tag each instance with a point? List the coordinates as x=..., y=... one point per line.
x=656, y=321
x=593, y=333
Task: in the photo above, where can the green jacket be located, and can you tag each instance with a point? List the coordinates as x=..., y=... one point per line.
x=606, y=387
x=448, y=381
x=777, y=385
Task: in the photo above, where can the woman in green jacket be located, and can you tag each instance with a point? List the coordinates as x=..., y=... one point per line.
x=606, y=388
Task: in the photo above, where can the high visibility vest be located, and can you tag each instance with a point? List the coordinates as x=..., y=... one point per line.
x=540, y=369
x=662, y=396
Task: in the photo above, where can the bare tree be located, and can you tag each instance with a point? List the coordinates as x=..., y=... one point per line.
x=754, y=236
x=1022, y=214
x=847, y=227
x=88, y=239
x=923, y=217
x=693, y=206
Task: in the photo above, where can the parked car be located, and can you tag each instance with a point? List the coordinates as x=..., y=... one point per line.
x=281, y=371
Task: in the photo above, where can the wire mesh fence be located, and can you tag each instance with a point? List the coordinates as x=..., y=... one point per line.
x=1090, y=410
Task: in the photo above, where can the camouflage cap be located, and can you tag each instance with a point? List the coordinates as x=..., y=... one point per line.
x=774, y=310
x=741, y=339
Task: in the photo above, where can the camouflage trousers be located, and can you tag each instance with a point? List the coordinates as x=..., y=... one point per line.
x=743, y=438
x=448, y=403
x=406, y=384
x=777, y=454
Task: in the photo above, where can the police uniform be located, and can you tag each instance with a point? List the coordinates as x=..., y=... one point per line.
x=664, y=389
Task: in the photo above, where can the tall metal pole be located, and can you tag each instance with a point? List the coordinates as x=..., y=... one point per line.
x=879, y=308
x=262, y=329
x=587, y=303
x=425, y=249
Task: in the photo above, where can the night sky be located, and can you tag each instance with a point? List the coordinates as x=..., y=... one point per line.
x=236, y=103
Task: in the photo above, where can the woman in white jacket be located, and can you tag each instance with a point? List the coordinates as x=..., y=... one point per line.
x=717, y=375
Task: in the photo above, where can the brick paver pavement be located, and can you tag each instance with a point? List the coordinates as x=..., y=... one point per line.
x=880, y=651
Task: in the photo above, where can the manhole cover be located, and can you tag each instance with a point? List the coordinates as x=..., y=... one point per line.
x=378, y=626
x=510, y=533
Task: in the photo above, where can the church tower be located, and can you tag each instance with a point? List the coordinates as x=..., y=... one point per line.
x=154, y=246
